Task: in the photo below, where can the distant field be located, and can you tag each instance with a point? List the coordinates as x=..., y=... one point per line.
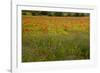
x=53, y=38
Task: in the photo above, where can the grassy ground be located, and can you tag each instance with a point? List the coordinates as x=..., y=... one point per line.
x=46, y=38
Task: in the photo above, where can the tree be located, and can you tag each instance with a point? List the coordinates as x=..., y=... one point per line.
x=43, y=13
x=58, y=14
x=24, y=13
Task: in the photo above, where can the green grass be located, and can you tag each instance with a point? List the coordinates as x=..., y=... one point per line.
x=74, y=46
x=60, y=44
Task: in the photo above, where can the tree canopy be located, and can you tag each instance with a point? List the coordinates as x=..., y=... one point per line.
x=50, y=13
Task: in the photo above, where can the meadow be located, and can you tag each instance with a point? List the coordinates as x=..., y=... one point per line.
x=55, y=38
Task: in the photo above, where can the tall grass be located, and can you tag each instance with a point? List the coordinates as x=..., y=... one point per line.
x=47, y=38
x=74, y=46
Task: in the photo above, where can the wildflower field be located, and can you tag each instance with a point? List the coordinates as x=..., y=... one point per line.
x=55, y=38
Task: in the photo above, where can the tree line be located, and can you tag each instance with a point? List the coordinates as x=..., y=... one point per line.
x=48, y=13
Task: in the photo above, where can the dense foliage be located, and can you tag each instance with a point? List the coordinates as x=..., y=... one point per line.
x=48, y=13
